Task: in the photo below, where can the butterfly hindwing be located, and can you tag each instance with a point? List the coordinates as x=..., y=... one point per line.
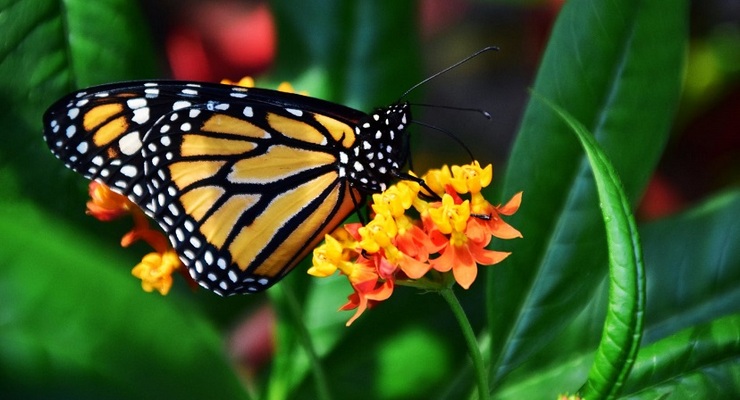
x=246, y=189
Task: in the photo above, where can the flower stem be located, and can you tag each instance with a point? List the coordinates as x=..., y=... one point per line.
x=480, y=371
x=304, y=338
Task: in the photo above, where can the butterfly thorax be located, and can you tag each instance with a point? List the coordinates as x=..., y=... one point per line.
x=381, y=148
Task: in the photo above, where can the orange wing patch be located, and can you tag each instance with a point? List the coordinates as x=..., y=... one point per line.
x=99, y=114
x=221, y=223
x=185, y=173
x=305, y=237
x=199, y=201
x=250, y=241
x=279, y=162
x=295, y=129
x=221, y=123
x=105, y=132
x=201, y=145
x=338, y=130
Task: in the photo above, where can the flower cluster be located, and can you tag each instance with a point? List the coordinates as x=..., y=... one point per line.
x=155, y=269
x=417, y=238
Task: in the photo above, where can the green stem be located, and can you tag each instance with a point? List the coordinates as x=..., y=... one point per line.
x=322, y=387
x=480, y=371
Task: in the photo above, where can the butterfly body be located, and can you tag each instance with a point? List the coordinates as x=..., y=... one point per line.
x=244, y=181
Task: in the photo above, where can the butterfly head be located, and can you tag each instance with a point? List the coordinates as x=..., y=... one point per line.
x=381, y=148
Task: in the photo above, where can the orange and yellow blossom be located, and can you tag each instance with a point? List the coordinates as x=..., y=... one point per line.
x=156, y=268
x=410, y=235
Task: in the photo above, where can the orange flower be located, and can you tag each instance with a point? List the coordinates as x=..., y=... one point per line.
x=482, y=229
x=369, y=289
x=460, y=253
x=155, y=270
x=105, y=204
x=408, y=236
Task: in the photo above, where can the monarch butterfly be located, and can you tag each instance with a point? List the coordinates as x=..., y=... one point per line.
x=244, y=181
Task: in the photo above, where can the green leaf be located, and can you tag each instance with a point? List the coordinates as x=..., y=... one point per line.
x=692, y=279
x=362, y=54
x=700, y=362
x=48, y=49
x=600, y=59
x=76, y=324
x=624, y=318
x=693, y=261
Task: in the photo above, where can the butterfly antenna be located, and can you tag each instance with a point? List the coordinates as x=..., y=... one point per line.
x=448, y=133
x=476, y=110
x=455, y=65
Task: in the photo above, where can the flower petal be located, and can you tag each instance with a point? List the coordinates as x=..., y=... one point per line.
x=512, y=205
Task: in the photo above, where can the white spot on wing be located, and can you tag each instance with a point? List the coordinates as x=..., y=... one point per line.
x=82, y=148
x=128, y=170
x=136, y=103
x=179, y=105
x=130, y=143
x=138, y=190
x=141, y=115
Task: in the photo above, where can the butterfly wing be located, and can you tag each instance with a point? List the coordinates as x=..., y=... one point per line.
x=245, y=182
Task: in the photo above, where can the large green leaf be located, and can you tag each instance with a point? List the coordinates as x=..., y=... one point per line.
x=362, y=53
x=48, y=49
x=693, y=280
x=700, y=362
x=616, y=67
x=624, y=319
x=694, y=265
x=75, y=324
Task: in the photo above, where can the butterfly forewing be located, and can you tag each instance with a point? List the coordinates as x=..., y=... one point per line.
x=245, y=182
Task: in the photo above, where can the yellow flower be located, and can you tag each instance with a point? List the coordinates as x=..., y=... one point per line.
x=378, y=233
x=247, y=82
x=438, y=179
x=471, y=178
x=450, y=217
x=327, y=258
x=155, y=271
x=400, y=245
